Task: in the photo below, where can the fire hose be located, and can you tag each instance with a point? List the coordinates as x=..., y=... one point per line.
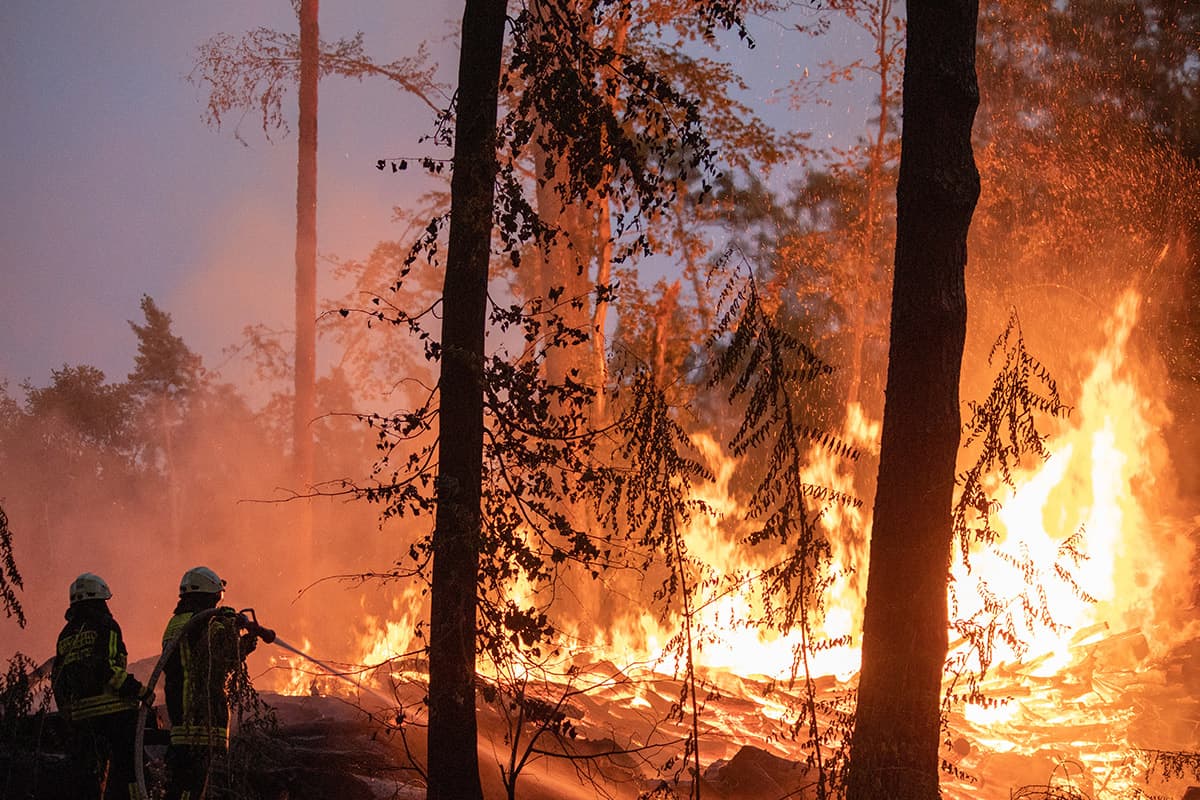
x=246, y=620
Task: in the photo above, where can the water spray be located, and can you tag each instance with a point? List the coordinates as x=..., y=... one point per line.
x=346, y=676
x=246, y=620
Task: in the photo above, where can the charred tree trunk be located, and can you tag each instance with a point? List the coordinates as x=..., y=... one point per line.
x=894, y=751
x=453, y=759
x=306, y=268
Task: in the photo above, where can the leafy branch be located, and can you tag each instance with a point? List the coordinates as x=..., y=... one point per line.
x=769, y=370
x=10, y=578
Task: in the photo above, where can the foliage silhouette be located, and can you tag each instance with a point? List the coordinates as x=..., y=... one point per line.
x=10, y=577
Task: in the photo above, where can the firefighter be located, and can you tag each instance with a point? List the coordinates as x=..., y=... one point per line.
x=197, y=672
x=96, y=694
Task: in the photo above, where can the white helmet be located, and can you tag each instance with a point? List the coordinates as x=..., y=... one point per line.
x=201, y=579
x=89, y=586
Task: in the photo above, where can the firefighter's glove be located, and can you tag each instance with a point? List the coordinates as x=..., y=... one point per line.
x=248, y=643
x=132, y=689
x=253, y=629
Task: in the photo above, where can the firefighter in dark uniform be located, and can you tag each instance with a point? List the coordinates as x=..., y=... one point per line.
x=96, y=695
x=197, y=673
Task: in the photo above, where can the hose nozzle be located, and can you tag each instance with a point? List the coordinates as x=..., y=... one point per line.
x=249, y=622
x=266, y=634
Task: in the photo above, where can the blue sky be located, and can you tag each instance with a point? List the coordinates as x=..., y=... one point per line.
x=112, y=186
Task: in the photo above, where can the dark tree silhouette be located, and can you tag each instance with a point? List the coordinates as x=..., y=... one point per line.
x=894, y=752
x=305, y=374
x=547, y=59
x=453, y=761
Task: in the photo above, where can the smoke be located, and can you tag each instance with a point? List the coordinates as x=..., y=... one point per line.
x=220, y=495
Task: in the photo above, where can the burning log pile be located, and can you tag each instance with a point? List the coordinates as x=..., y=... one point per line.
x=1090, y=727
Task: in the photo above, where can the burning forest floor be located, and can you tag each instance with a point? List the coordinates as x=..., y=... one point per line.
x=1094, y=727
x=1093, y=723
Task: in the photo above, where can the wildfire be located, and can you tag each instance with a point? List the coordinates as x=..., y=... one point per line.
x=1100, y=495
x=1098, y=488
x=1078, y=564
x=394, y=637
x=290, y=676
x=1063, y=704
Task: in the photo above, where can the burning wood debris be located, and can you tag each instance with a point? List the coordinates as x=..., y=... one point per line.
x=1094, y=728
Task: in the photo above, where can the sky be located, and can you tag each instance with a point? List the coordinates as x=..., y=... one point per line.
x=113, y=186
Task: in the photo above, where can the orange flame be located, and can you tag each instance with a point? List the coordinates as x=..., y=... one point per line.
x=1102, y=478
x=1105, y=477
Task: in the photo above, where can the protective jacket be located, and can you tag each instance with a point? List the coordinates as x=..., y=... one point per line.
x=89, y=676
x=197, y=672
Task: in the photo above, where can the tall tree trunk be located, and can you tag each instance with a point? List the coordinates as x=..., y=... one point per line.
x=453, y=758
x=604, y=255
x=568, y=261
x=173, y=489
x=894, y=751
x=306, y=272
x=870, y=288
x=566, y=264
